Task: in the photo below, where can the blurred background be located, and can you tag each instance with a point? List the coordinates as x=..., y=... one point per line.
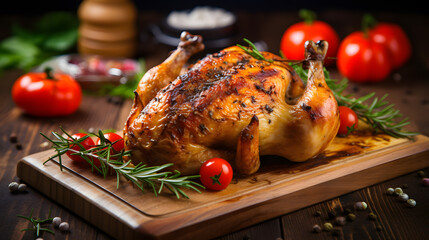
x=37, y=7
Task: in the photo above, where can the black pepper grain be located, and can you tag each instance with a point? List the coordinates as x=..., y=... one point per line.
x=331, y=214
x=13, y=138
x=351, y=217
x=318, y=213
x=372, y=216
x=18, y=146
x=336, y=232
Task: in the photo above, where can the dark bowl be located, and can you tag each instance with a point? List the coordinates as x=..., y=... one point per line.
x=213, y=38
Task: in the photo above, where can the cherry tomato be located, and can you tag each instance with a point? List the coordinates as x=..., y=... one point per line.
x=118, y=141
x=395, y=40
x=216, y=174
x=294, y=38
x=46, y=94
x=86, y=144
x=348, y=120
x=360, y=59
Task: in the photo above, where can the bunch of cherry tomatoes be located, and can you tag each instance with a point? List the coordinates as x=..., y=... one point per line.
x=367, y=55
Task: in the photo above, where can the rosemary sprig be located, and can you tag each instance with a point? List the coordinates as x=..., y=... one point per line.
x=379, y=114
x=142, y=176
x=253, y=51
x=37, y=224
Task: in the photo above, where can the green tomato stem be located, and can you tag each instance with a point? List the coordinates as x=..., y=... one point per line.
x=308, y=16
x=368, y=22
x=49, y=73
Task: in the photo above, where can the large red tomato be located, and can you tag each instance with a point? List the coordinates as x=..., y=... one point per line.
x=393, y=37
x=360, y=59
x=294, y=38
x=46, y=94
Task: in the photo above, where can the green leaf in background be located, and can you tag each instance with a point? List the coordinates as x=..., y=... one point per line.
x=53, y=34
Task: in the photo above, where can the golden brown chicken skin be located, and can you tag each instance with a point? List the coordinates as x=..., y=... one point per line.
x=233, y=106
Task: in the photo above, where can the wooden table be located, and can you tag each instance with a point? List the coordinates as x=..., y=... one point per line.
x=407, y=88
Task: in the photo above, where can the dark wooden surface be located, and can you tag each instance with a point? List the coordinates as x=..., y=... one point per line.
x=407, y=88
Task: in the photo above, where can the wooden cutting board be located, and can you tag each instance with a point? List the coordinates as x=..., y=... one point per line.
x=277, y=188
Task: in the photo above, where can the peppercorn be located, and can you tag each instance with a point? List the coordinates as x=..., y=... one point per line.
x=403, y=197
x=421, y=174
x=411, y=202
x=351, y=217
x=398, y=191
x=390, y=191
x=340, y=221
x=361, y=205
x=318, y=213
x=64, y=227
x=13, y=186
x=347, y=211
x=372, y=216
x=13, y=138
x=331, y=214
x=336, y=232
x=56, y=221
x=378, y=227
x=328, y=226
x=317, y=228
x=425, y=182
x=22, y=187
x=18, y=146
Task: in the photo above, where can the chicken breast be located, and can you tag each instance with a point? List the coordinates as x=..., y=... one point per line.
x=230, y=105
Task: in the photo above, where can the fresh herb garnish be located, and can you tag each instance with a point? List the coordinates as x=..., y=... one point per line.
x=142, y=176
x=37, y=224
x=379, y=114
x=53, y=34
x=125, y=90
x=253, y=51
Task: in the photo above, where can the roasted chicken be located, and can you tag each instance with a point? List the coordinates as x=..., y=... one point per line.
x=230, y=105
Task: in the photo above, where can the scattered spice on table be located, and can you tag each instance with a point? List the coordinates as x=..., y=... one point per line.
x=411, y=202
x=398, y=191
x=351, y=217
x=13, y=138
x=361, y=205
x=340, y=221
x=425, y=182
x=403, y=197
x=56, y=221
x=317, y=228
x=64, y=227
x=318, y=213
x=336, y=231
x=328, y=226
x=18, y=146
x=372, y=216
x=13, y=186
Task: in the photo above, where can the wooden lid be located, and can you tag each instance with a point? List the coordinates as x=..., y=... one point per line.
x=107, y=12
